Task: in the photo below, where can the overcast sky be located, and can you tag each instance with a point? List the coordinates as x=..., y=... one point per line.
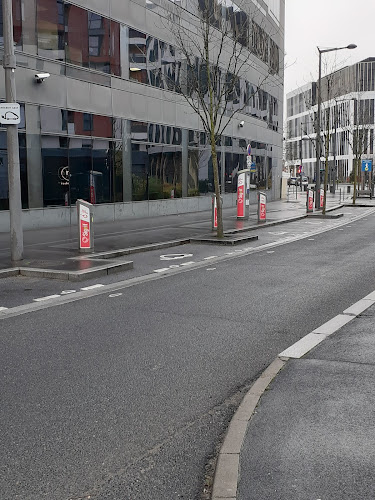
x=325, y=23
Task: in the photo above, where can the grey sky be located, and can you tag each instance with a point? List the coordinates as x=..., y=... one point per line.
x=325, y=23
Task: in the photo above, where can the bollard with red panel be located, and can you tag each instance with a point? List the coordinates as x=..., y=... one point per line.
x=262, y=207
x=85, y=226
x=310, y=201
x=321, y=198
x=243, y=194
x=214, y=212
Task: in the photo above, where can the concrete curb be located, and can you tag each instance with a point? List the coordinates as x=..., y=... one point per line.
x=35, y=272
x=227, y=471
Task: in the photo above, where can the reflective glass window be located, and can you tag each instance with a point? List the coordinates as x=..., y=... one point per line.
x=138, y=56
x=77, y=38
x=51, y=29
x=17, y=22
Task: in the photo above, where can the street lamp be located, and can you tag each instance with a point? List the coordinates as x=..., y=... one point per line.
x=318, y=139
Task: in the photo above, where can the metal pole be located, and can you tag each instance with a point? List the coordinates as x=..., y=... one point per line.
x=300, y=155
x=334, y=174
x=14, y=180
x=318, y=144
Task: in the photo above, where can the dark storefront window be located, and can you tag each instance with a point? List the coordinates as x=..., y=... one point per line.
x=4, y=189
x=156, y=172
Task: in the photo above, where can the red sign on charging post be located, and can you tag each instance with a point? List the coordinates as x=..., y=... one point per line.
x=215, y=212
x=241, y=196
x=84, y=227
x=262, y=207
x=321, y=198
x=310, y=200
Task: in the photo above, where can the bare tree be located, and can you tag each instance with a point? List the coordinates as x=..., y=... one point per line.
x=214, y=50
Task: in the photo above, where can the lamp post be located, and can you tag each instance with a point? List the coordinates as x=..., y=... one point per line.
x=318, y=138
x=14, y=182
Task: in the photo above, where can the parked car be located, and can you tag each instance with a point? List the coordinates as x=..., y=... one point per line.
x=292, y=181
x=305, y=182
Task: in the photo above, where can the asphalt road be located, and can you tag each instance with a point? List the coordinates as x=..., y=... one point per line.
x=126, y=395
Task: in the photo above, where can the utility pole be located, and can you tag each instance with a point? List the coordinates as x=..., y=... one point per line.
x=14, y=179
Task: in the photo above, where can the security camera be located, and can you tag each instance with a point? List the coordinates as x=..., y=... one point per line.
x=241, y=124
x=40, y=77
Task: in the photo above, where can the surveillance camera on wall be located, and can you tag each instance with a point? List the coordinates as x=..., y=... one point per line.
x=241, y=124
x=40, y=77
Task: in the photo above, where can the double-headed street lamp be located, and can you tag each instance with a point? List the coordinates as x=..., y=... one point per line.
x=318, y=139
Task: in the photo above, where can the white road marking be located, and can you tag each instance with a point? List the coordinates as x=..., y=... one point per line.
x=333, y=324
x=359, y=307
x=161, y=270
x=3, y=308
x=114, y=295
x=271, y=251
x=66, y=292
x=49, y=297
x=229, y=253
x=311, y=239
x=340, y=230
x=175, y=256
x=303, y=346
x=187, y=263
x=174, y=266
x=92, y=287
x=211, y=257
x=211, y=269
x=278, y=233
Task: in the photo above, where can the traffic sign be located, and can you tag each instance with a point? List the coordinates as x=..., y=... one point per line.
x=10, y=113
x=248, y=162
x=253, y=168
x=366, y=165
x=249, y=149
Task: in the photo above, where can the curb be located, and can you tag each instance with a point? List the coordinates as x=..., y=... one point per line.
x=35, y=272
x=227, y=472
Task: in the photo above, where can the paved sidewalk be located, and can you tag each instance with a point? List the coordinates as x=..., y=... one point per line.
x=57, y=248
x=305, y=430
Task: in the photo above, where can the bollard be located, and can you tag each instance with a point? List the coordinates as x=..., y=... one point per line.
x=85, y=215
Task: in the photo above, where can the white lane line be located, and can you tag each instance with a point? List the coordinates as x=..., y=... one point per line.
x=67, y=292
x=229, y=253
x=210, y=257
x=92, y=287
x=271, y=251
x=303, y=346
x=3, y=308
x=340, y=230
x=211, y=269
x=187, y=263
x=359, y=307
x=311, y=239
x=162, y=270
x=174, y=266
x=49, y=297
x=114, y=295
x=333, y=324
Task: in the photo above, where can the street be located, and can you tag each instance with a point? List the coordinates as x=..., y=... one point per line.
x=125, y=391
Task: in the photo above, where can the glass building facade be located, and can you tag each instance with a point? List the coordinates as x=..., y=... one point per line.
x=82, y=134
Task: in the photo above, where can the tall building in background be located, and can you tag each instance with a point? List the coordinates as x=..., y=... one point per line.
x=347, y=122
x=109, y=124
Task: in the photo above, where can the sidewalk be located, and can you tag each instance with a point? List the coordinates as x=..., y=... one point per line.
x=305, y=430
x=56, y=249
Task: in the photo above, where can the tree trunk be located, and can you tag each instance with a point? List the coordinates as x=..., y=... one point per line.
x=215, y=167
